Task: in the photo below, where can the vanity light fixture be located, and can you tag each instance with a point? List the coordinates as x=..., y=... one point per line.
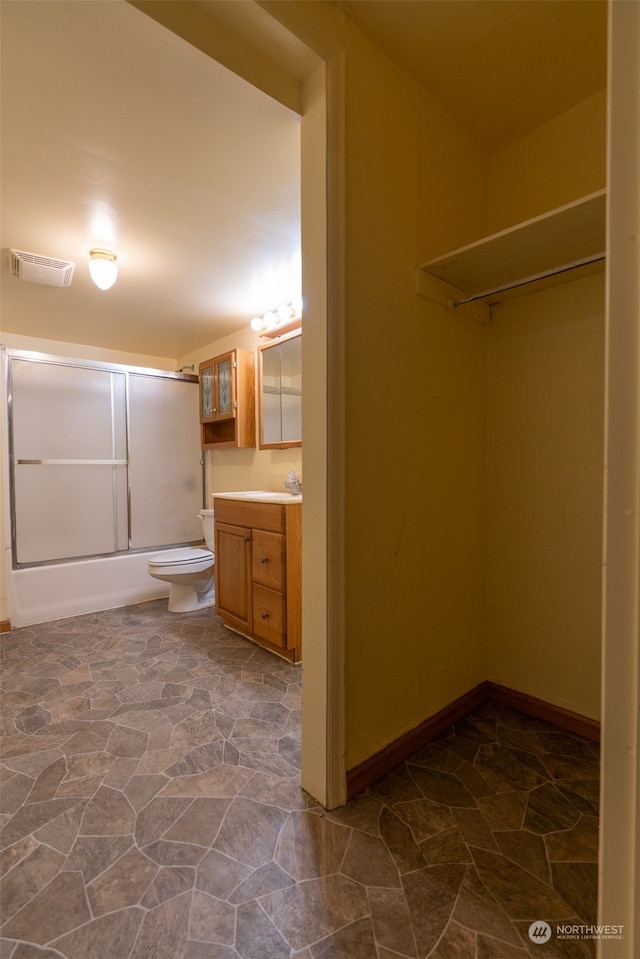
x=103, y=268
x=286, y=314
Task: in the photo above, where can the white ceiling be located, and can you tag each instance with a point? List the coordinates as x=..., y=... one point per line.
x=118, y=133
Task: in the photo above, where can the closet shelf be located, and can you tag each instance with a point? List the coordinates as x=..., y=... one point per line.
x=557, y=246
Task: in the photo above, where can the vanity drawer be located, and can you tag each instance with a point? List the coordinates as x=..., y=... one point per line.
x=268, y=559
x=269, y=615
x=258, y=515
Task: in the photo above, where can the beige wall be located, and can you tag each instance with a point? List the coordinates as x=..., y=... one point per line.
x=559, y=162
x=546, y=421
x=419, y=631
x=416, y=586
x=415, y=412
x=14, y=341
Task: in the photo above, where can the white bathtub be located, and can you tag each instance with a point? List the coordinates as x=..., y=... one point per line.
x=43, y=593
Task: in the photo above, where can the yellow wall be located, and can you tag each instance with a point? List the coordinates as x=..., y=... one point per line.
x=14, y=341
x=415, y=412
x=419, y=632
x=546, y=422
x=559, y=162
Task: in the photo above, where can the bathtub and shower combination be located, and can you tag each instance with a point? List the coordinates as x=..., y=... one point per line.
x=104, y=473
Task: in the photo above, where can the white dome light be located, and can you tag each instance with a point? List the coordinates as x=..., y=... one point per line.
x=103, y=268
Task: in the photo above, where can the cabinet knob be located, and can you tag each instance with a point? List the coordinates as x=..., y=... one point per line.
x=264, y=559
x=247, y=539
x=265, y=615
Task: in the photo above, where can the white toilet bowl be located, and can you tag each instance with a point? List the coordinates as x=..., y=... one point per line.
x=188, y=571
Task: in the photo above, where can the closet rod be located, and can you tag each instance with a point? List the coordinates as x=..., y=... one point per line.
x=585, y=261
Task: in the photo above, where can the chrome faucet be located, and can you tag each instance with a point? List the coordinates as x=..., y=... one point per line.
x=294, y=485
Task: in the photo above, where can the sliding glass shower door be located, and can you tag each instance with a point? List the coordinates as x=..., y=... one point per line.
x=165, y=461
x=104, y=459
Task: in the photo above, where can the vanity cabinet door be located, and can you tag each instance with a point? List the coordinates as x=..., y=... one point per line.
x=233, y=575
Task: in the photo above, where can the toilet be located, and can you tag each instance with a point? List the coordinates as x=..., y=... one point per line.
x=189, y=571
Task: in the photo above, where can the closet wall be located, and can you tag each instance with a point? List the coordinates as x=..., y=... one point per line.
x=559, y=162
x=546, y=423
x=431, y=611
x=415, y=411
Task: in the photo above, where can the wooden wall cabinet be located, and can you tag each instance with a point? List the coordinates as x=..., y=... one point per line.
x=258, y=571
x=228, y=400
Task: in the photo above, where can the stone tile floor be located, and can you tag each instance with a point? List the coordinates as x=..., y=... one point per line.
x=151, y=809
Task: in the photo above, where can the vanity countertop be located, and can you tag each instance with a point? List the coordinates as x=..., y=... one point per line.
x=262, y=496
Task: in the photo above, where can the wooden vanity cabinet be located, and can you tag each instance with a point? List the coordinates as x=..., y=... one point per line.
x=258, y=572
x=228, y=400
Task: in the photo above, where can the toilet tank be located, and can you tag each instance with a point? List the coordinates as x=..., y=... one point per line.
x=206, y=515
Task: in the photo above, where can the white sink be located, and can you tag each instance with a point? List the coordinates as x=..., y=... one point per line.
x=262, y=496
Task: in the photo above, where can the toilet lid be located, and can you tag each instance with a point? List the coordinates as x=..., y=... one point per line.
x=181, y=556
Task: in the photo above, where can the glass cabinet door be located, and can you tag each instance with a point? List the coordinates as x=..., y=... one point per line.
x=225, y=400
x=206, y=390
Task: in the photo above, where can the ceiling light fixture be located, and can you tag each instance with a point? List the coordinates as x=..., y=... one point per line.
x=102, y=267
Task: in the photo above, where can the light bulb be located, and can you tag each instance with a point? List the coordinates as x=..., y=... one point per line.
x=258, y=324
x=285, y=312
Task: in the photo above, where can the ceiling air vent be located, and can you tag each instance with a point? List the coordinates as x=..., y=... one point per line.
x=41, y=269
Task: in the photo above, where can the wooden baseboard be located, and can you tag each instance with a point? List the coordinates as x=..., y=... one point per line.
x=540, y=709
x=382, y=762
x=5, y=626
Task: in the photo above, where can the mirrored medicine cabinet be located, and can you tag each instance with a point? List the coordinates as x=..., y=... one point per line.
x=280, y=392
